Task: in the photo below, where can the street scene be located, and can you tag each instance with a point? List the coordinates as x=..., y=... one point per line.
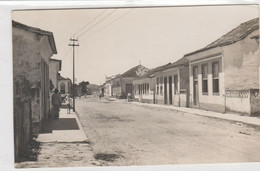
x=144, y=135
x=136, y=86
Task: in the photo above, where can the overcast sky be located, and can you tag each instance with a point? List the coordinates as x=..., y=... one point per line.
x=117, y=39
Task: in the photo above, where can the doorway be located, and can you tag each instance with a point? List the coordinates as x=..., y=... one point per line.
x=195, y=86
x=170, y=90
x=165, y=91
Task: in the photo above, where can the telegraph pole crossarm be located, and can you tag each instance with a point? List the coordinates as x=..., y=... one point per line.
x=73, y=82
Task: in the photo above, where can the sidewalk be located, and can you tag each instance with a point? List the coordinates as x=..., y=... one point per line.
x=65, y=129
x=226, y=116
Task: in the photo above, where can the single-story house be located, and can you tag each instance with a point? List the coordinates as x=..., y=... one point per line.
x=224, y=76
x=123, y=84
x=32, y=49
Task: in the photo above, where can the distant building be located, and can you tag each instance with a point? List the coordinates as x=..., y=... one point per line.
x=224, y=76
x=54, y=68
x=32, y=49
x=144, y=86
x=167, y=84
x=123, y=84
x=64, y=85
x=108, y=87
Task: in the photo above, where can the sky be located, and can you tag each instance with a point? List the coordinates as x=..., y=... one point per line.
x=111, y=41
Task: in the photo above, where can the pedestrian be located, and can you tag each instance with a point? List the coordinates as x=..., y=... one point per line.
x=68, y=104
x=129, y=97
x=100, y=95
x=56, y=103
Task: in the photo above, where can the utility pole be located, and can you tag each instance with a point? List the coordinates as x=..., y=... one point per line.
x=73, y=82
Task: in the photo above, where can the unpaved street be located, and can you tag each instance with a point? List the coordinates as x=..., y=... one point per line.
x=122, y=133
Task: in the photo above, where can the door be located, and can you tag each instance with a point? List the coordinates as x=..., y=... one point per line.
x=129, y=89
x=196, y=92
x=195, y=86
x=165, y=91
x=170, y=90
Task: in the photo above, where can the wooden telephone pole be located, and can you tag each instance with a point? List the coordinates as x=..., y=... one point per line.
x=73, y=82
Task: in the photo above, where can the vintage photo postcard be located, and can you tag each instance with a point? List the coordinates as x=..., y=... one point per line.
x=136, y=86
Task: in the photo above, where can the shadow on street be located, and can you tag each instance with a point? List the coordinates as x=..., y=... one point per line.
x=60, y=124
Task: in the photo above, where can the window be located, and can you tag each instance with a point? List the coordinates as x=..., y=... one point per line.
x=147, y=88
x=215, y=75
x=62, y=88
x=139, y=89
x=204, y=78
x=175, y=80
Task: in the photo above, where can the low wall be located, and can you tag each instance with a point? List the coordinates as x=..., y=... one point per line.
x=243, y=101
x=144, y=98
x=254, y=102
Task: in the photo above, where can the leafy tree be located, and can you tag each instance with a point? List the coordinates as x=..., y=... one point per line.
x=83, y=86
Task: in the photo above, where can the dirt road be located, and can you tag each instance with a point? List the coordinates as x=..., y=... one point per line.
x=121, y=133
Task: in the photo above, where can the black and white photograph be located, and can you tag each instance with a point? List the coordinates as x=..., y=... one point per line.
x=136, y=86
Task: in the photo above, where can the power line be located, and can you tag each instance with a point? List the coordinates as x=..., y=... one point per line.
x=97, y=23
x=91, y=21
x=108, y=25
x=65, y=54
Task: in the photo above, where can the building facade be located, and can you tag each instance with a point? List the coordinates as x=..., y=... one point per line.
x=167, y=84
x=64, y=85
x=121, y=85
x=54, y=67
x=224, y=76
x=32, y=49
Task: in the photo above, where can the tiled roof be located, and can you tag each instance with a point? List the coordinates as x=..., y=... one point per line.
x=182, y=61
x=233, y=36
x=132, y=72
x=152, y=71
x=38, y=31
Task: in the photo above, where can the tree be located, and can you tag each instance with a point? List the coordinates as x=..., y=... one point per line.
x=83, y=86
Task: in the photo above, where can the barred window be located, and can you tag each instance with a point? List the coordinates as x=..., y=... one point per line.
x=175, y=80
x=215, y=74
x=204, y=78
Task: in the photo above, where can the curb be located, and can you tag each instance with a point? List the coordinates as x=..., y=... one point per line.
x=196, y=112
x=204, y=115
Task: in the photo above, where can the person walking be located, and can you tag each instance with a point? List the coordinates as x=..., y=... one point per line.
x=68, y=104
x=100, y=96
x=56, y=103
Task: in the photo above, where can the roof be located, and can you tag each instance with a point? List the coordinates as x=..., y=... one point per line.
x=38, y=31
x=152, y=71
x=57, y=60
x=133, y=71
x=237, y=34
x=181, y=61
